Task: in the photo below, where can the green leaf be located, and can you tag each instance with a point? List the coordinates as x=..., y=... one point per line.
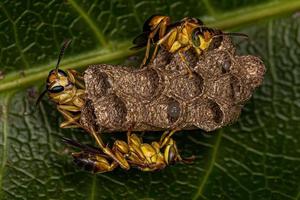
x=258, y=157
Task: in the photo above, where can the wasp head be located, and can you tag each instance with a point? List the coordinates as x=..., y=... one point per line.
x=205, y=38
x=58, y=81
x=202, y=38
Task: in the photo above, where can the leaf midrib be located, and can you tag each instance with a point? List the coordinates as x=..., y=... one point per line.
x=210, y=166
x=228, y=20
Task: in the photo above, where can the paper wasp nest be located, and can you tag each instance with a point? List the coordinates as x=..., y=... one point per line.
x=162, y=96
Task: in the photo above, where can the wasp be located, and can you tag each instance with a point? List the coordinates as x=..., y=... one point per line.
x=178, y=37
x=156, y=27
x=144, y=156
x=66, y=89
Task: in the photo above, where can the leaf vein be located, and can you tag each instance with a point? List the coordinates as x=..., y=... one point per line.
x=209, y=8
x=93, y=188
x=16, y=36
x=35, y=74
x=98, y=33
x=138, y=20
x=210, y=166
x=224, y=21
x=232, y=177
x=4, y=118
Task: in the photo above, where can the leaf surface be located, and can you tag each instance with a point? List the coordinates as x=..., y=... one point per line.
x=258, y=157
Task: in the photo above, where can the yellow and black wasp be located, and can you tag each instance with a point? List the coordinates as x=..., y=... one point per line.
x=67, y=91
x=144, y=156
x=178, y=37
x=156, y=28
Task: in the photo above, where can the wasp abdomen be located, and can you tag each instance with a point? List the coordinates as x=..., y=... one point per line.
x=85, y=161
x=91, y=162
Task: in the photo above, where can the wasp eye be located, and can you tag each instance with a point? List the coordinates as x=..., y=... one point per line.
x=195, y=38
x=57, y=89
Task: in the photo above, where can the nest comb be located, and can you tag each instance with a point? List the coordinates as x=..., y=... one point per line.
x=162, y=95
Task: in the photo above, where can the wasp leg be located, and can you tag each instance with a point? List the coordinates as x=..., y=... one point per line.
x=75, y=73
x=157, y=159
x=154, y=53
x=171, y=151
x=150, y=37
x=138, y=155
x=147, y=52
x=162, y=31
x=71, y=120
x=134, y=143
x=121, y=150
x=166, y=137
x=171, y=35
x=144, y=156
x=176, y=156
x=106, y=150
x=76, y=78
x=185, y=63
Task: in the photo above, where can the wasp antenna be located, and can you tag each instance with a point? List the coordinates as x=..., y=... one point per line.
x=232, y=34
x=86, y=148
x=62, y=51
x=40, y=97
x=71, y=142
x=237, y=34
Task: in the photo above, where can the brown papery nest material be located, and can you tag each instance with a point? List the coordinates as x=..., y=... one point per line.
x=162, y=95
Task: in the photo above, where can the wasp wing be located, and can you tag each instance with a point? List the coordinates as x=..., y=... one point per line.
x=86, y=148
x=140, y=41
x=146, y=26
